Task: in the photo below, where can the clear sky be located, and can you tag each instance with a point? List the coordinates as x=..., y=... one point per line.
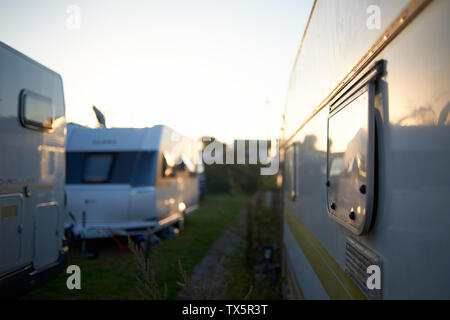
x=217, y=68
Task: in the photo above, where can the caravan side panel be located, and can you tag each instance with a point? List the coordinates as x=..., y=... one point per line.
x=412, y=106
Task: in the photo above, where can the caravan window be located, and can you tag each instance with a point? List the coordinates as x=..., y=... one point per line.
x=123, y=167
x=97, y=167
x=168, y=166
x=36, y=111
x=145, y=169
x=351, y=160
x=74, y=167
x=131, y=167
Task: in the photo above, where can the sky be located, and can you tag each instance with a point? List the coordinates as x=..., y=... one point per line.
x=214, y=68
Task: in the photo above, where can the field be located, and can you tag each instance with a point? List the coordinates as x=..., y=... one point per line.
x=113, y=274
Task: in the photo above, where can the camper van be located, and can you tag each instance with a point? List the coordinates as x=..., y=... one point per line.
x=128, y=181
x=32, y=168
x=366, y=153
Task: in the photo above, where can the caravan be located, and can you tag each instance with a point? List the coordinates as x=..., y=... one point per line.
x=367, y=152
x=128, y=181
x=32, y=166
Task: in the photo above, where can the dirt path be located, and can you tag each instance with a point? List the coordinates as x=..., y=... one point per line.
x=208, y=278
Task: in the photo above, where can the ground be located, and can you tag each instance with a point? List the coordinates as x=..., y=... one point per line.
x=211, y=277
x=217, y=256
x=113, y=274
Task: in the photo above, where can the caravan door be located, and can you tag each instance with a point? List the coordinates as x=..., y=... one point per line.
x=142, y=195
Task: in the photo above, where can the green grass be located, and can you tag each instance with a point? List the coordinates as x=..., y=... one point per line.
x=113, y=274
x=243, y=280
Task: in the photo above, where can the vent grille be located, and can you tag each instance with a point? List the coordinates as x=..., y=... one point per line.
x=357, y=258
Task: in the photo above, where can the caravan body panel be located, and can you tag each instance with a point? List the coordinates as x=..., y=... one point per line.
x=411, y=104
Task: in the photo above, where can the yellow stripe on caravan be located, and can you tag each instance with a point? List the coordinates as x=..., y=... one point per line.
x=334, y=280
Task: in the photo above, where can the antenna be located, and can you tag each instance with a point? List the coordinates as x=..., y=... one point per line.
x=100, y=117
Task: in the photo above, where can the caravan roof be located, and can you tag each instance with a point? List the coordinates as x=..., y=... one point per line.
x=113, y=139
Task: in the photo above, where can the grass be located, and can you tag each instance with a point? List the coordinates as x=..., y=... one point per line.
x=245, y=270
x=113, y=274
x=242, y=281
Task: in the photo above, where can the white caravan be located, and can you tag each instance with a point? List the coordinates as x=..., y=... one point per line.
x=32, y=166
x=367, y=153
x=126, y=181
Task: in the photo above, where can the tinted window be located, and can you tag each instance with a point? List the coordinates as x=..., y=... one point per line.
x=108, y=167
x=74, y=167
x=145, y=169
x=97, y=167
x=124, y=164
